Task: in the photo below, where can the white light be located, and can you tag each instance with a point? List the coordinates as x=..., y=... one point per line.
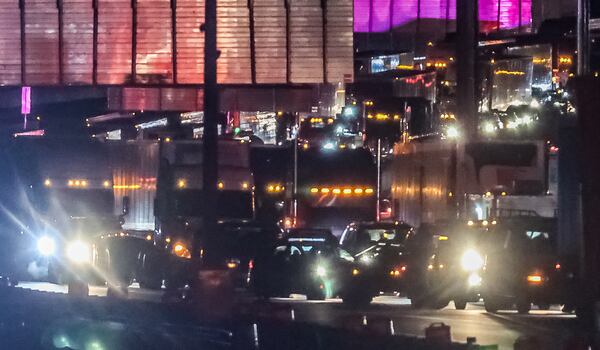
x=534, y=104
x=78, y=252
x=489, y=128
x=339, y=129
x=365, y=259
x=512, y=124
x=329, y=145
x=526, y=119
x=321, y=271
x=452, y=132
x=348, y=112
x=46, y=246
x=471, y=260
x=474, y=280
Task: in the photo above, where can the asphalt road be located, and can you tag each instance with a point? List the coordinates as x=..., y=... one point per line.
x=552, y=327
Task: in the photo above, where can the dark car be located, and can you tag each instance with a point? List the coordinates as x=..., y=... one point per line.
x=307, y=262
x=379, y=249
x=229, y=251
x=524, y=267
x=447, y=261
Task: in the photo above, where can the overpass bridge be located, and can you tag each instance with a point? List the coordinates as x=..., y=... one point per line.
x=148, y=54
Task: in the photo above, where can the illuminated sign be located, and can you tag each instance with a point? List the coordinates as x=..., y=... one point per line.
x=26, y=100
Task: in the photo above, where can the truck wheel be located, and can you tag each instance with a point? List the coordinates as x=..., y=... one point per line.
x=460, y=304
x=523, y=307
x=491, y=305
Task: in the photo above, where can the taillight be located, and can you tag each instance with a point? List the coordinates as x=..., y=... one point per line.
x=535, y=279
x=232, y=263
x=250, y=264
x=557, y=266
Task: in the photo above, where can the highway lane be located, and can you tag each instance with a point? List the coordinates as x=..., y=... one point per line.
x=552, y=326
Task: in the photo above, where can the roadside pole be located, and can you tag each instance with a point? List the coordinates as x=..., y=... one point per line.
x=467, y=30
x=295, y=187
x=211, y=108
x=378, y=204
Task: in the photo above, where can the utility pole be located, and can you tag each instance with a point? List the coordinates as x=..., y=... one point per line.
x=583, y=37
x=467, y=29
x=211, y=109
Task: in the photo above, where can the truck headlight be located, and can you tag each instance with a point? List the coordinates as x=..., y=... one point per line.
x=46, y=246
x=321, y=271
x=474, y=280
x=78, y=252
x=471, y=260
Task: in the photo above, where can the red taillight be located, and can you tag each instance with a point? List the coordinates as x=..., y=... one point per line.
x=557, y=266
x=250, y=264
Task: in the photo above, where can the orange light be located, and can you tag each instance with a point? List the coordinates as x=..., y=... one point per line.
x=358, y=191
x=305, y=146
x=337, y=191
x=148, y=237
x=534, y=279
x=232, y=265
x=355, y=272
x=368, y=190
x=181, y=183
x=178, y=247
x=325, y=190
x=71, y=183
x=168, y=240
x=244, y=185
x=314, y=190
x=106, y=184
x=220, y=185
x=347, y=190
x=47, y=183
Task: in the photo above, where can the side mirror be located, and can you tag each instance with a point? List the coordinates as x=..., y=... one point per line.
x=126, y=202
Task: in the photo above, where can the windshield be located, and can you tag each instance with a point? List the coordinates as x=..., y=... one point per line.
x=390, y=234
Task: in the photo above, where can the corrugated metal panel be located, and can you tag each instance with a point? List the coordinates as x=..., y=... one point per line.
x=306, y=41
x=340, y=41
x=154, y=34
x=154, y=47
x=135, y=167
x=233, y=39
x=270, y=41
x=78, y=32
x=41, y=42
x=10, y=42
x=114, y=41
x=190, y=41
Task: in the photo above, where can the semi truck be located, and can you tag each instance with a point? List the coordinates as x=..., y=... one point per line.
x=335, y=187
x=57, y=204
x=455, y=192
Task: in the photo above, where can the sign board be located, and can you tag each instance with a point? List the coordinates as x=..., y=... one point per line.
x=26, y=100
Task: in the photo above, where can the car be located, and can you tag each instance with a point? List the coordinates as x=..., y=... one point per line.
x=308, y=262
x=229, y=250
x=379, y=248
x=523, y=267
x=447, y=263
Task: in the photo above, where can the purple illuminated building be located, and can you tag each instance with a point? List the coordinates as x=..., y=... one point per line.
x=384, y=15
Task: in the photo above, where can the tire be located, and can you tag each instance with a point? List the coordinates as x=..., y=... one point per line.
x=523, y=307
x=460, y=304
x=491, y=305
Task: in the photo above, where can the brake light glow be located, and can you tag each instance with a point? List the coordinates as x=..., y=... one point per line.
x=534, y=279
x=557, y=266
